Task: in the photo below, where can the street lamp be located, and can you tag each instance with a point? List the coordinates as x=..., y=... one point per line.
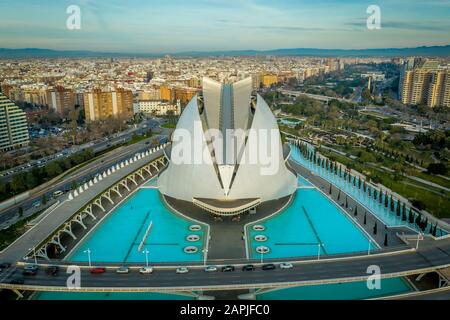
x=146, y=256
x=418, y=238
x=205, y=256
x=318, y=251
x=88, y=251
x=262, y=257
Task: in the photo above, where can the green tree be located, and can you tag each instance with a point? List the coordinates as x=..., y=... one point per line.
x=53, y=169
x=44, y=199
x=18, y=183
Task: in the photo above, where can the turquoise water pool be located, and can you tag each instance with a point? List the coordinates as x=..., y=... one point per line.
x=109, y=296
x=302, y=182
x=310, y=219
x=339, y=291
x=118, y=237
x=384, y=214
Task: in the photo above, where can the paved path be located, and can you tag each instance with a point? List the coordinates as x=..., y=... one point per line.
x=226, y=234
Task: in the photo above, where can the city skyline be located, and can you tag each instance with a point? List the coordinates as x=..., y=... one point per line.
x=154, y=27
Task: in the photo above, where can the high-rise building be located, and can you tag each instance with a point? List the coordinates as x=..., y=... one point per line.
x=269, y=79
x=423, y=81
x=61, y=99
x=166, y=93
x=100, y=105
x=184, y=94
x=13, y=125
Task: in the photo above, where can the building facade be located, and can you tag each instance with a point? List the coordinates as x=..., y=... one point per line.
x=220, y=170
x=424, y=82
x=13, y=125
x=100, y=105
x=158, y=107
x=61, y=99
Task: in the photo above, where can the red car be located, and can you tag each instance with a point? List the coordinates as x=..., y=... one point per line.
x=98, y=270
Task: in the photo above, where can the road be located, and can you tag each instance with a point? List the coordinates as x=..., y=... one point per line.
x=63, y=212
x=81, y=175
x=435, y=253
x=313, y=96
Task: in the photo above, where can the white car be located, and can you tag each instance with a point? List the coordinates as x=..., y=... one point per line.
x=123, y=270
x=57, y=193
x=182, y=270
x=211, y=269
x=286, y=265
x=146, y=270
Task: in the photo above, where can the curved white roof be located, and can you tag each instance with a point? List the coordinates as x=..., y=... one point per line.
x=194, y=171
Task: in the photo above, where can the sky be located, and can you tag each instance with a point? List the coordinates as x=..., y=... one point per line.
x=169, y=26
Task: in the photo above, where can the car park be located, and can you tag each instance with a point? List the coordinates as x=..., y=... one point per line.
x=182, y=270
x=210, y=269
x=269, y=266
x=227, y=268
x=248, y=267
x=286, y=265
x=146, y=270
x=123, y=270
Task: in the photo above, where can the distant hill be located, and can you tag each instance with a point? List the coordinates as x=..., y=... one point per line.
x=435, y=51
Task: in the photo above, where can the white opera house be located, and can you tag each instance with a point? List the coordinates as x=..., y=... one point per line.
x=226, y=155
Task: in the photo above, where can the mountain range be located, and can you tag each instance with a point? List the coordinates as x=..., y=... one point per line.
x=432, y=51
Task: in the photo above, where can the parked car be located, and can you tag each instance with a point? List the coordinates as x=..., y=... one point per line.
x=227, y=268
x=269, y=266
x=53, y=270
x=5, y=265
x=211, y=269
x=248, y=267
x=146, y=270
x=37, y=204
x=286, y=265
x=123, y=270
x=98, y=270
x=182, y=270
